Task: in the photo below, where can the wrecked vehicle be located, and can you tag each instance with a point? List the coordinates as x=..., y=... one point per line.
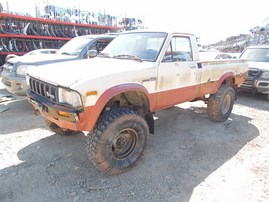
x=137, y=74
x=13, y=74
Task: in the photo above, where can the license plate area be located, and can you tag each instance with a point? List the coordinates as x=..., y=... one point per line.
x=37, y=105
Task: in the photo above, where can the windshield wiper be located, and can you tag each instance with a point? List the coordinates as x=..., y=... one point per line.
x=133, y=57
x=104, y=55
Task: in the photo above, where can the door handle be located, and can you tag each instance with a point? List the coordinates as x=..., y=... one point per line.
x=193, y=66
x=150, y=79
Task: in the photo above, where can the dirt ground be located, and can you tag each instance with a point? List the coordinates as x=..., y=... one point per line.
x=189, y=158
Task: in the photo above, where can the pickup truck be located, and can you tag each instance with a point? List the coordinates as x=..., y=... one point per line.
x=13, y=74
x=258, y=75
x=113, y=96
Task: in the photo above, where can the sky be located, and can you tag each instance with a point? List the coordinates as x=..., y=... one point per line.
x=210, y=20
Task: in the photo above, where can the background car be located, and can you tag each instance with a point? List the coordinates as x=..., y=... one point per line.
x=14, y=70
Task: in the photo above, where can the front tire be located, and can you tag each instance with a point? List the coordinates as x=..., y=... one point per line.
x=118, y=141
x=220, y=105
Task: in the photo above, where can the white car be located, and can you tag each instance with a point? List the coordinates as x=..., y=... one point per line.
x=216, y=55
x=78, y=48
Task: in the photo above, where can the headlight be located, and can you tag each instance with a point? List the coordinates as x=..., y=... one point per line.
x=69, y=97
x=8, y=67
x=27, y=79
x=21, y=70
x=265, y=75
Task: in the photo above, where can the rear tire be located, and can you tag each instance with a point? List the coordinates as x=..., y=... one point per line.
x=59, y=131
x=118, y=141
x=220, y=105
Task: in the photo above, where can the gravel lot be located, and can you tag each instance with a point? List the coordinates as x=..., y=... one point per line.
x=189, y=158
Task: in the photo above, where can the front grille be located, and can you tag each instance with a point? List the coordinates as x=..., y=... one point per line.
x=252, y=74
x=44, y=89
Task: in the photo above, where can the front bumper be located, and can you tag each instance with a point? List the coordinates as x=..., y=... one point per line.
x=262, y=86
x=256, y=86
x=65, y=117
x=14, y=85
x=254, y=83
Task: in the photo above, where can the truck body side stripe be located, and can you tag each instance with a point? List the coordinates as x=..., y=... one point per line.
x=157, y=101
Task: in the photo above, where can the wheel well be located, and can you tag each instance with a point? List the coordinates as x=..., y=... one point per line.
x=230, y=81
x=135, y=100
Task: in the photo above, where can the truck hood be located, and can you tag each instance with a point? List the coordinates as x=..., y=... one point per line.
x=259, y=65
x=41, y=59
x=68, y=73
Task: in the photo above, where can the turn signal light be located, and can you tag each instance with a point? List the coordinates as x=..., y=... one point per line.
x=91, y=93
x=62, y=113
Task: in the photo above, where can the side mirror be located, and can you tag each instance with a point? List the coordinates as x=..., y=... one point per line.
x=91, y=53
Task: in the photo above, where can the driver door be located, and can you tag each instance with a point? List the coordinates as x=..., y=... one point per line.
x=177, y=74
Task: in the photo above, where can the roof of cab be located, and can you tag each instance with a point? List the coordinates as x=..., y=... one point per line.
x=168, y=31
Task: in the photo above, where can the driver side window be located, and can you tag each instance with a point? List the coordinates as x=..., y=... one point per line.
x=179, y=50
x=100, y=45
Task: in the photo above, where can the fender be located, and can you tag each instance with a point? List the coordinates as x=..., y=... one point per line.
x=93, y=112
x=238, y=78
x=212, y=87
x=224, y=77
x=221, y=80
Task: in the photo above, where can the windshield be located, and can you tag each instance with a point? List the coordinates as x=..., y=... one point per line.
x=140, y=46
x=256, y=54
x=74, y=46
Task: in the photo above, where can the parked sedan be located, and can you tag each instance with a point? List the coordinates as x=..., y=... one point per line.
x=216, y=55
x=13, y=75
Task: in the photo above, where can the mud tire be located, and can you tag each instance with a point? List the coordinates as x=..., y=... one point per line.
x=57, y=130
x=118, y=141
x=220, y=104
